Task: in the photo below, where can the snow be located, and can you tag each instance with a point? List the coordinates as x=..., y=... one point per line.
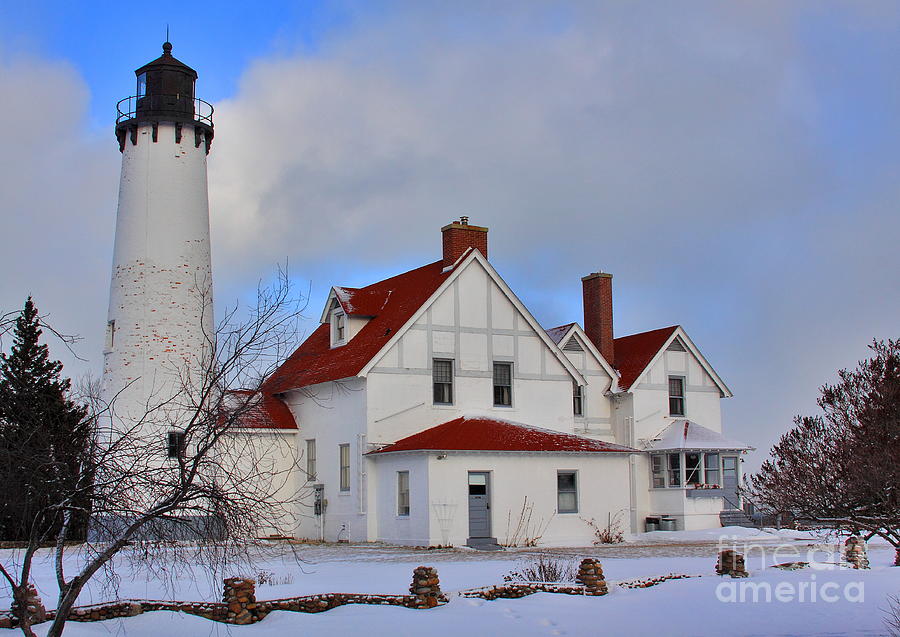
x=685, y=434
x=677, y=607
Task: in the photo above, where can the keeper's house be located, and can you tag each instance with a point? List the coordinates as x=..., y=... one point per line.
x=432, y=409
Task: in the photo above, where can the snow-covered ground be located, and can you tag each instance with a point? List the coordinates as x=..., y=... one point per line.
x=707, y=605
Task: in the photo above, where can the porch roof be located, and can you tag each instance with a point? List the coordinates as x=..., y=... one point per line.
x=685, y=434
x=474, y=433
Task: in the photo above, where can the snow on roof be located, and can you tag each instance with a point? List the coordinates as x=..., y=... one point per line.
x=556, y=334
x=390, y=304
x=633, y=353
x=684, y=434
x=476, y=433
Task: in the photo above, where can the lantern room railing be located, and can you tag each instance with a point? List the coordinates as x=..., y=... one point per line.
x=160, y=105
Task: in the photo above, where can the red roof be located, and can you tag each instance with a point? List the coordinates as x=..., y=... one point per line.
x=486, y=434
x=634, y=353
x=268, y=413
x=390, y=303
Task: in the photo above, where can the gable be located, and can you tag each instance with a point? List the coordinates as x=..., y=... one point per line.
x=579, y=349
x=475, y=318
x=651, y=355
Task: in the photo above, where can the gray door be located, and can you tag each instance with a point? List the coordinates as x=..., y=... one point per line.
x=730, y=482
x=479, y=504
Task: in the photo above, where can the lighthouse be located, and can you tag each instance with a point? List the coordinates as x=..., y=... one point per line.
x=159, y=332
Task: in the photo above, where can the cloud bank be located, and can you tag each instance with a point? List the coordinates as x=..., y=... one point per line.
x=735, y=165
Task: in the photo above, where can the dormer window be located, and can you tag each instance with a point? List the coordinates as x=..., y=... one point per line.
x=338, y=327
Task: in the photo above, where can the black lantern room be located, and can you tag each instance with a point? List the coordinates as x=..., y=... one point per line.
x=165, y=93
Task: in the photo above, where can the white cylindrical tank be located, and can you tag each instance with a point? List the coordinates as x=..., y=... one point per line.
x=160, y=321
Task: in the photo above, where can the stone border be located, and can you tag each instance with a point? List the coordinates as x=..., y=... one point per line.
x=240, y=607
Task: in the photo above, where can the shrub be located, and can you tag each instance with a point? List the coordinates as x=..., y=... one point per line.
x=544, y=569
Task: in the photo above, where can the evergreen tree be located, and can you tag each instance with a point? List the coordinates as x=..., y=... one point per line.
x=44, y=437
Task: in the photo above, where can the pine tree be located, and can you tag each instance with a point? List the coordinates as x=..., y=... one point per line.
x=43, y=436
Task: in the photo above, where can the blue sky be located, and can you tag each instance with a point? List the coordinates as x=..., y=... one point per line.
x=735, y=165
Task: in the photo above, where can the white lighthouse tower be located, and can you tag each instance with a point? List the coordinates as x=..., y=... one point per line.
x=160, y=321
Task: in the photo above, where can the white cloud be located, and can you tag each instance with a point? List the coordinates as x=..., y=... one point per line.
x=58, y=202
x=681, y=148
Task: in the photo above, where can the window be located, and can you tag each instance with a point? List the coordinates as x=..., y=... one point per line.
x=403, y=493
x=311, y=459
x=693, y=467
x=110, y=334
x=658, y=471
x=442, y=375
x=578, y=399
x=712, y=468
x=567, y=492
x=345, y=466
x=502, y=384
x=142, y=85
x=175, y=444
x=674, y=469
x=676, y=396
x=338, y=328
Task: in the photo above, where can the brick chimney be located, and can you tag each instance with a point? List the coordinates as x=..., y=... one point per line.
x=598, y=316
x=459, y=236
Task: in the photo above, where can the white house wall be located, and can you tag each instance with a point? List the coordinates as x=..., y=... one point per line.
x=263, y=463
x=333, y=414
x=409, y=529
x=597, y=421
x=602, y=490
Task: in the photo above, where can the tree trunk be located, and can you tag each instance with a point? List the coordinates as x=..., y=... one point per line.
x=66, y=602
x=897, y=556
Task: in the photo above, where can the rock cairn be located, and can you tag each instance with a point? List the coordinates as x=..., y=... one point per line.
x=590, y=575
x=239, y=596
x=425, y=586
x=855, y=552
x=34, y=607
x=731, y=563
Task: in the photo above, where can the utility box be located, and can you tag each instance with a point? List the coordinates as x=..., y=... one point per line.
x=667, y=523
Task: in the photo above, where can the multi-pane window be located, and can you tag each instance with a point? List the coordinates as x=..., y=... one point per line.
x=658, y=471
x=503, y=384
x=578, y=399
x=403, y=493
x=338, y=327
x=175, y=444
x=567, y=491
x=693, y=468
x=699, y=468
x=674, y=469
x=712, y=468
x=676, y=396
x=442, y=376
x=311, y=459
x=344, y=453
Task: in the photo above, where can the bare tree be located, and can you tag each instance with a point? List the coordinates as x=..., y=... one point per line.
x=843, y=468
x=229, y=478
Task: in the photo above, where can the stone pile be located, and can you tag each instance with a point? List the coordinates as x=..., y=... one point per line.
x=855, y=552
x=426, y=587
x=239, y=595
x=34, y=607
x=731, y=563
x=590, y=575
